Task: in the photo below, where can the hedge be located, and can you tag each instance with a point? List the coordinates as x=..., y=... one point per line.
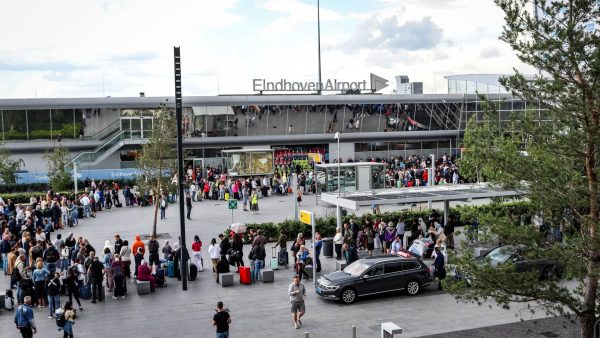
x=327, y=225
x=42, y=188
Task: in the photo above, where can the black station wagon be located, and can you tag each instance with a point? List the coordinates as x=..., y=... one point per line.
x=375, y=274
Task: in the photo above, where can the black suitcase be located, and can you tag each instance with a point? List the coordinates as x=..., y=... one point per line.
x=118, y=205
x=79, y=212
x=160, y=277
x=193, y=271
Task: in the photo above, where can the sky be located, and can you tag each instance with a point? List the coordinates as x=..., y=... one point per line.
x=119, y=48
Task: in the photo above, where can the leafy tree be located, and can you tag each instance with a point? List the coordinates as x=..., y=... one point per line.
x=552, y=155
x=9, y=167
x=158, y=161
x=58, y=168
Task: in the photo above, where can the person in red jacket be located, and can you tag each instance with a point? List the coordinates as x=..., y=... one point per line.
x=145, y=274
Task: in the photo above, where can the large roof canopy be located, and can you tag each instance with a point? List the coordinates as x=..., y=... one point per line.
x=439, y=193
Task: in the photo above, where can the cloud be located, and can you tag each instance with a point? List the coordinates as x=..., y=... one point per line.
x=388, y=33
x=489, y=52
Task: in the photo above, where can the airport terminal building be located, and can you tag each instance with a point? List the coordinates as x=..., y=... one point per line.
x=107, y=133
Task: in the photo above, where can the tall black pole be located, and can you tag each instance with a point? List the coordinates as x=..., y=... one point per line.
x=180, y=178
x=319, y=42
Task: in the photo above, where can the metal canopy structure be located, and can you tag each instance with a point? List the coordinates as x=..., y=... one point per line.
x=443, y=193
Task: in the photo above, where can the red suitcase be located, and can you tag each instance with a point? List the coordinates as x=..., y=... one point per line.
x=245, y=275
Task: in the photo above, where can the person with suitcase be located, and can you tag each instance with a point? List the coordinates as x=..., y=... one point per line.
x=283, y=255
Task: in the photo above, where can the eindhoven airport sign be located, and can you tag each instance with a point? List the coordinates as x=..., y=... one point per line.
x=331, y=85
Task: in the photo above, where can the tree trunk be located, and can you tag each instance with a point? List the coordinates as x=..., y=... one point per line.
x=155, y=200
x=587, y=321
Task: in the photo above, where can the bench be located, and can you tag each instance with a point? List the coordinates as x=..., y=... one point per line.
x=226, y=279
x=267, y=275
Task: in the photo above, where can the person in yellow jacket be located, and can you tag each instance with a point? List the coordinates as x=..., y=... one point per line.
x=254, y=202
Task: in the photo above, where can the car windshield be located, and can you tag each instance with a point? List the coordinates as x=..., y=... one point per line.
x=500, y=255
x=356, y=269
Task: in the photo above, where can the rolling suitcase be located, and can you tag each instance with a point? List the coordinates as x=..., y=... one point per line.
x=245, y=277
x=160, y=277
x=118, y=205
x=274, y=260
x=86, y=292
x=193, y=271
x=171, y=269
x=8, y=303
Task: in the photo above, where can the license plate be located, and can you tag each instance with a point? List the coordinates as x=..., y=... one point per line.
x=319, y=290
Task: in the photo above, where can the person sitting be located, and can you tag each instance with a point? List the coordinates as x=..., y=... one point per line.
x=222, y=266
x=145, y=274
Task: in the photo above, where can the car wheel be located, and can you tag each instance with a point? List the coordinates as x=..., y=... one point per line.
x=413, y=287
x=348, y=296
x=549, y=272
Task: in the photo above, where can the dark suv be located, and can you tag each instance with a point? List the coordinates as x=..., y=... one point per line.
x=375, y=274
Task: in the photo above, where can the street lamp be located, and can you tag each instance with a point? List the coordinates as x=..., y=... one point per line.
x=338, y=213
x=431, y=178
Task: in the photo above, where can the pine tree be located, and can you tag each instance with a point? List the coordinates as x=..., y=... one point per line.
x=552, y=155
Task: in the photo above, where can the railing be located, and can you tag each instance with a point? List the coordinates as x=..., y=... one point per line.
x=91, y=156
x=106, y=131
x=116, y=140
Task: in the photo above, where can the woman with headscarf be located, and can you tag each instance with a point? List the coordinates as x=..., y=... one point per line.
x=196, y=253
x=145, y=274
x=177, y=258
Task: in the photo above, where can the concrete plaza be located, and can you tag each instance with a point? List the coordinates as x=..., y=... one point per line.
x=258, y=310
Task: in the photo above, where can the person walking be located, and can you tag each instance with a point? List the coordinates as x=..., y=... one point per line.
x=188, y=204
x=24, y=319
x=214, y=253
x=338, y=241
x=53, y=290
x=70, y=315
x=297, y=293
x=197, y=253
x=163, y=206
x=72, y=286
x=95, y=272
x=221, y=320
x=254, y=202
x=439, y=266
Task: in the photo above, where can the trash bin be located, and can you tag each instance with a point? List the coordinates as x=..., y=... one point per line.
x=328, y=247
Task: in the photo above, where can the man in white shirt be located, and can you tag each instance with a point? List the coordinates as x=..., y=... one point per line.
x=400, y=230
x=85, y=201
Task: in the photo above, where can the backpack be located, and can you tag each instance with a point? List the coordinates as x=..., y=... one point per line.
x=60, y=317
x=15, y=273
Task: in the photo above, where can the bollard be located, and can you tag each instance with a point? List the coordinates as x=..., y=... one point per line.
x=353, y=331
x=306, y=334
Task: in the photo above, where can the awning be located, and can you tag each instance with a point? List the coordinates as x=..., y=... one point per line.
x=438, y=193
x=212, y=110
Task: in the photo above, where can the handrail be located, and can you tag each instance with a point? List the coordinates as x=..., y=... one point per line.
x=91, y=156
x=111, y=128
x=110, y=142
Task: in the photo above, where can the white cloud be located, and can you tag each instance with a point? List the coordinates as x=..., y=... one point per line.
x=71, y=48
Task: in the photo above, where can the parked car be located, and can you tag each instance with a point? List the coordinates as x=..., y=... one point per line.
x=514, y=254
x=373, y=275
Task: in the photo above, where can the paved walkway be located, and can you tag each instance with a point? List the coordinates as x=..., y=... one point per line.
x=258, y=310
